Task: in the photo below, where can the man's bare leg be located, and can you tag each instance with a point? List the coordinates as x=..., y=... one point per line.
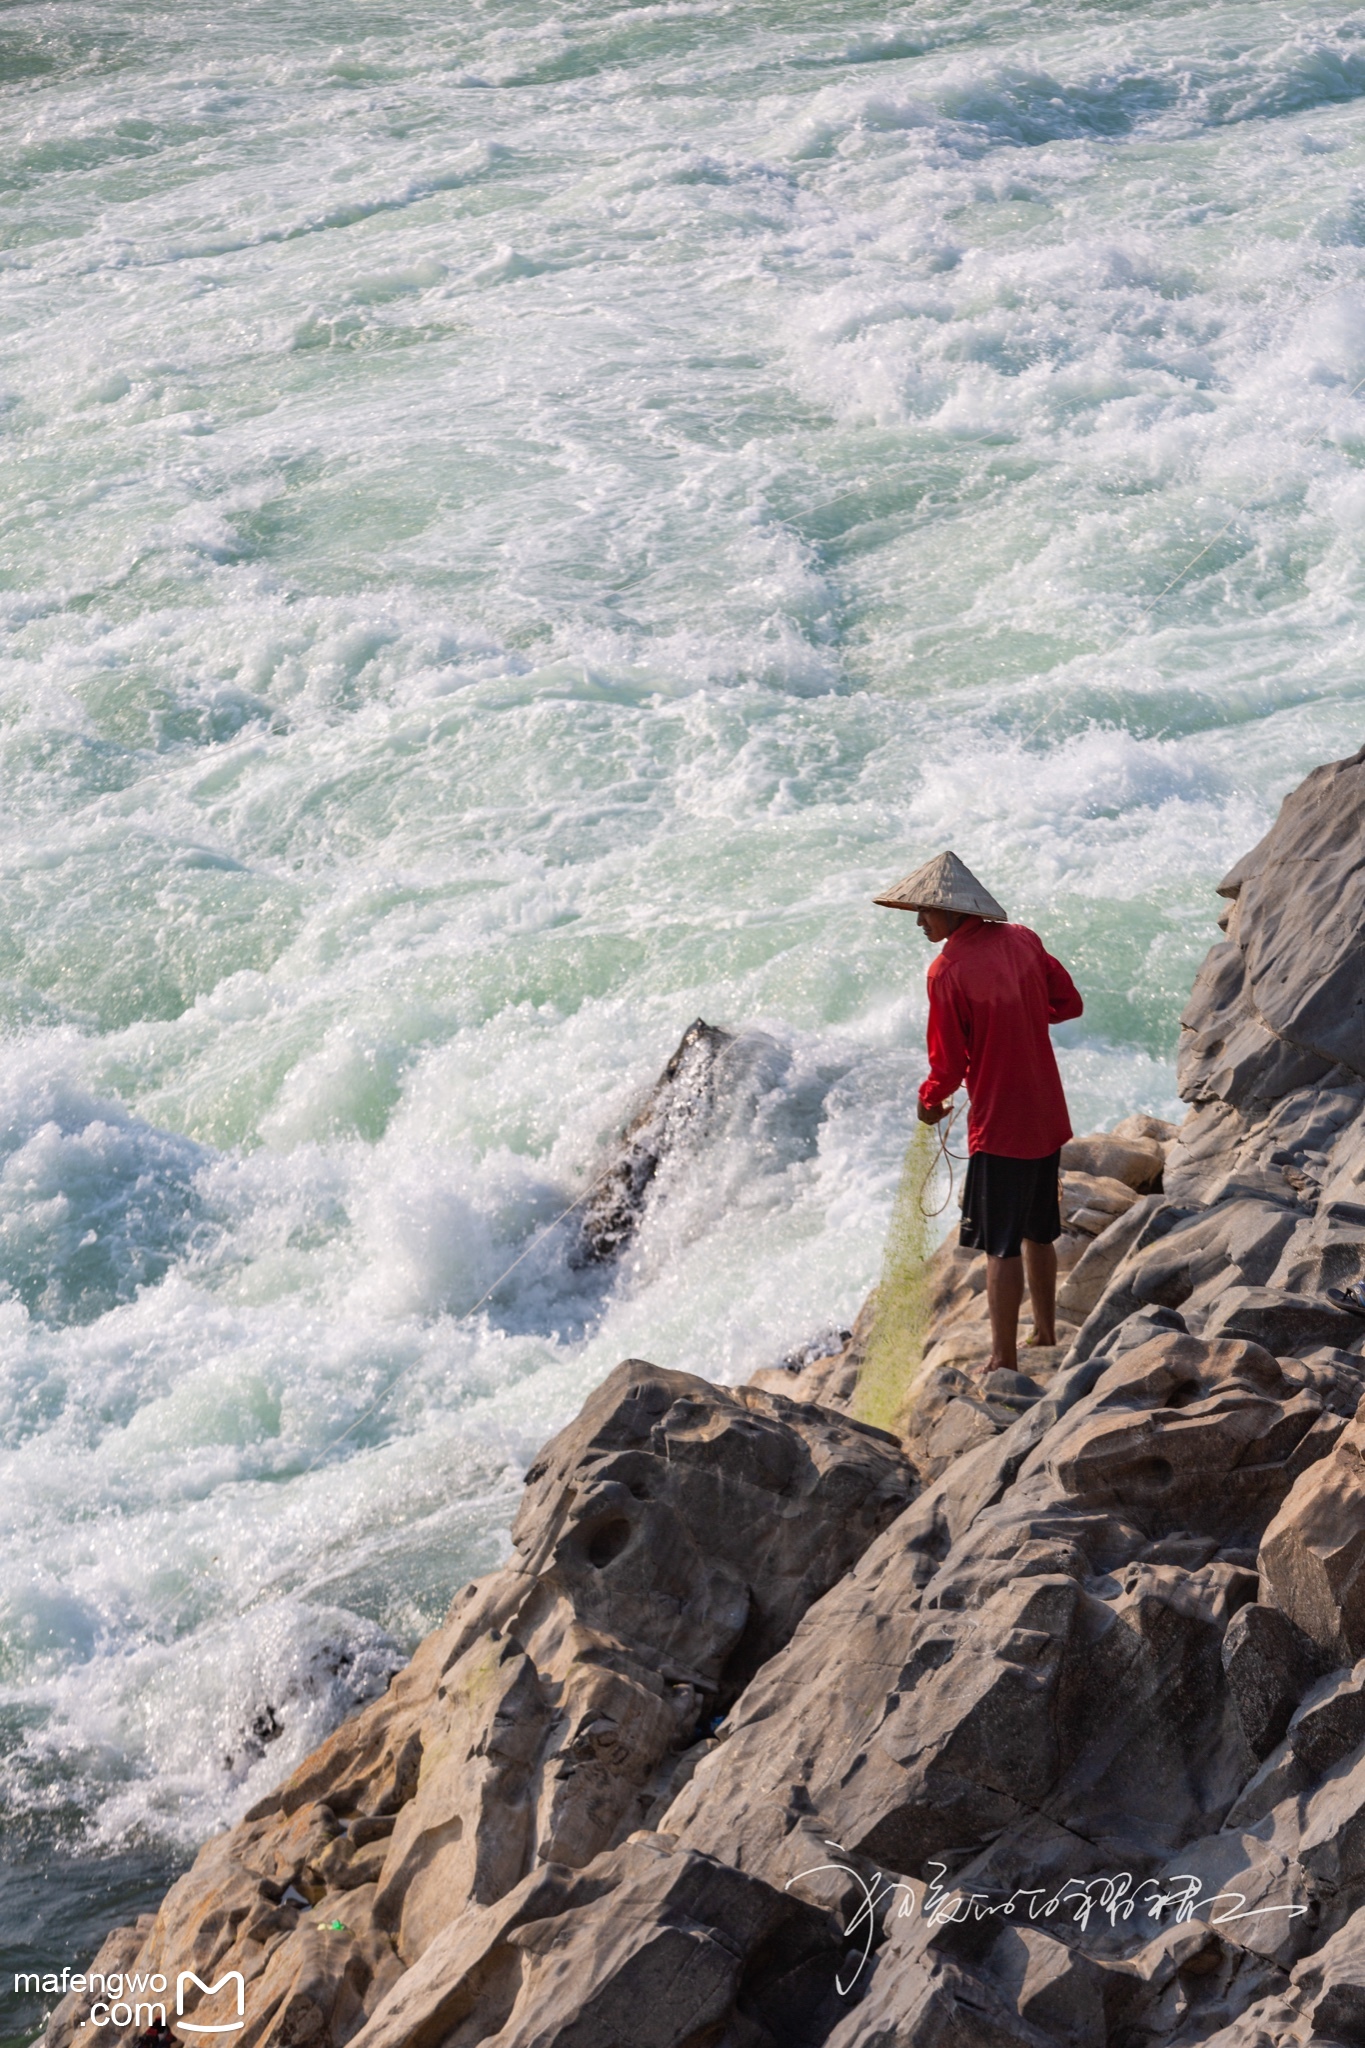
x=1004, y=1294
x=1040, y=1272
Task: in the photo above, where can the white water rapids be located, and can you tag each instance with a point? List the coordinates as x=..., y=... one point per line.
x=515, y=523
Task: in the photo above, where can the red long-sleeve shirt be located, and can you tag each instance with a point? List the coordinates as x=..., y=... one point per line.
x=993, y=991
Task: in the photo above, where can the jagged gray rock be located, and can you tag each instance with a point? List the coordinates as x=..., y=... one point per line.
x=1082, y=1287
x=1011, y=1653
x=1329, y=1722
x=1009, y=1987
x=670, y=1538
x=1282, y=1003
x=1269, y=1665
x=648, y=1948
x=1313, y=1554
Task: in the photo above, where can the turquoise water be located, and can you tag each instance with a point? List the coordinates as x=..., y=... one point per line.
x=515, y=523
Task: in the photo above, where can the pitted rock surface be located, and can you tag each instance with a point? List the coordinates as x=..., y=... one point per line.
x=672, y=1537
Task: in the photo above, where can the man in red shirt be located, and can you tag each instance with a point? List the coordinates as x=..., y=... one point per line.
x=993, y=992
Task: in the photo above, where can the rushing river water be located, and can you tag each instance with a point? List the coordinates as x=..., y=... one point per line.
x=516, y=520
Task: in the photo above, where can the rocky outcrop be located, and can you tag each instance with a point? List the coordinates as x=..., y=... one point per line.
x=1313, y=1554
x=1044, y=1725
x=653, y=1947
x=1280, y=1006
x=1056, y=1592
x=669, y=1542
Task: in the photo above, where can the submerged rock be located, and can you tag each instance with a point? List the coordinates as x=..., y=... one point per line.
x=675, y=1112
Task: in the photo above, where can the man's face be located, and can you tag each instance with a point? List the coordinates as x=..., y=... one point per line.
x=936, y=925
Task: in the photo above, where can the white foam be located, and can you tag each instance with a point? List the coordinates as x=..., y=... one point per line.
x=519, y=527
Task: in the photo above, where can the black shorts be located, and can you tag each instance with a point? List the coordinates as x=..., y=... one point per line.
x=1007, y=1200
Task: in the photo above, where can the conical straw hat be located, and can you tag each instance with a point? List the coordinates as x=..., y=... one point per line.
x=943, y=883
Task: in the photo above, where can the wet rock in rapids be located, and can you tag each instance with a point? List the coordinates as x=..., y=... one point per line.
x=675, y=1112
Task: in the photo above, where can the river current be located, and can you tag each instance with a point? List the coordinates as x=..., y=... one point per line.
x=517, y=519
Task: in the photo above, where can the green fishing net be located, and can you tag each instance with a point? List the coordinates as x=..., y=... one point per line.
x=901, y=1314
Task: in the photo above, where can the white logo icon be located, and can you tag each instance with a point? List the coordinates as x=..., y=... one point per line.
x=205, y=2026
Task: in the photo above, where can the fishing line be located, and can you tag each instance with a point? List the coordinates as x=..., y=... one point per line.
x=942, y=1132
